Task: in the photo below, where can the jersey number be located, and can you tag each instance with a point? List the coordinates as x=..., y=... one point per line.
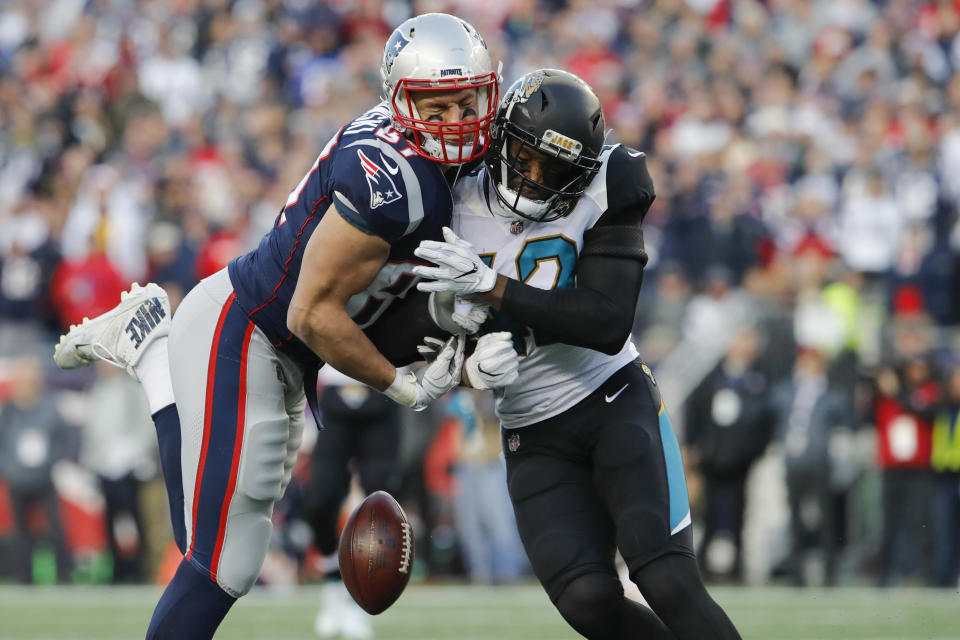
x=558, y=249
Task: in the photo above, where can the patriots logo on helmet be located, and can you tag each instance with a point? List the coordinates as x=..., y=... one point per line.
x=383, y=190
x=394, y=46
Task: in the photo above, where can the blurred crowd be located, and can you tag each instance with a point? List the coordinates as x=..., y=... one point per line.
x=800, y=309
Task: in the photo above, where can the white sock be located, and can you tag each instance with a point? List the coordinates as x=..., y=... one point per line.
x=153, y=371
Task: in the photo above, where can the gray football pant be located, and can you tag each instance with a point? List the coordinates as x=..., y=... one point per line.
x=241, y=406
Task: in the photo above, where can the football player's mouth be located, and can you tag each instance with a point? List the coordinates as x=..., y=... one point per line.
x=529, y=191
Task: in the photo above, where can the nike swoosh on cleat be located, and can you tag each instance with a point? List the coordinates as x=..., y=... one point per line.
x=466, y=273
x=610, y=399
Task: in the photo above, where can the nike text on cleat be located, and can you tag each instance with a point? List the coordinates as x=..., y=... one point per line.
x=119, y=336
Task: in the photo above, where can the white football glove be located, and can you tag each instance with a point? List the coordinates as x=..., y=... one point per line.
x=431, y=347
x=459, y=269
x=417, y=390
x=454, y=314
x=494, y=362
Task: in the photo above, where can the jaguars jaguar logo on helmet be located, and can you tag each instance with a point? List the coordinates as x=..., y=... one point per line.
x=530, y=85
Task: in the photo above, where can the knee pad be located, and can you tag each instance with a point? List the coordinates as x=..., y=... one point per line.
x=244, y=544
x=591, y=604
x=260, y=483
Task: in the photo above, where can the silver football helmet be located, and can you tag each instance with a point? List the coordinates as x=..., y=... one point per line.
x=439, y=52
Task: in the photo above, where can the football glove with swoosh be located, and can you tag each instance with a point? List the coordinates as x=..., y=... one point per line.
x=459, y=269
x=494, y=363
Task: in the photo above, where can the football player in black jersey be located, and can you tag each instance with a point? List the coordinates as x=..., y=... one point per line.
x=552, y=242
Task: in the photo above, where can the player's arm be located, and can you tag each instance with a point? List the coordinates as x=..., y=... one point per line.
x=598, y=312
x=403, y=327
x=339, y=262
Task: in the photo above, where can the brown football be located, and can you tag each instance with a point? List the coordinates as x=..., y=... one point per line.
x=376, y=552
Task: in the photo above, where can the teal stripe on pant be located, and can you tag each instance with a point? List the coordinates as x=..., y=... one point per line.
x=676, y=481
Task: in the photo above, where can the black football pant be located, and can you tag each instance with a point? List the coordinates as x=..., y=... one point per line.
x=603, y=476
x=21, y=502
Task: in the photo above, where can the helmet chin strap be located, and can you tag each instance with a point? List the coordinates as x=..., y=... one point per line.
x=453, y=151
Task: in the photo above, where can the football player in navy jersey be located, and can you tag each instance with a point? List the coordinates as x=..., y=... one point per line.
x=556, y=250
x=241, y=357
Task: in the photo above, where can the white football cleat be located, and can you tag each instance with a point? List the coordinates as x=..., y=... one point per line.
x=327, y=622
x=119, y=336
x=339, y=616
x=355, y=623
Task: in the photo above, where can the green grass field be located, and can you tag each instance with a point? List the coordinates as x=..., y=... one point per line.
x=474, y=613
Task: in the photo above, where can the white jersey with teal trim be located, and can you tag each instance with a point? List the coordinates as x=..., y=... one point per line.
x=553, y=377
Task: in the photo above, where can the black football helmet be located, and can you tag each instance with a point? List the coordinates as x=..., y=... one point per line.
x=548, y=113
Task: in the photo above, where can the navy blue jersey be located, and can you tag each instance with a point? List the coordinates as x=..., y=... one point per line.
x=379, y=185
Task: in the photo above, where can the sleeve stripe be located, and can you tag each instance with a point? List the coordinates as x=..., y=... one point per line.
x=348, y=212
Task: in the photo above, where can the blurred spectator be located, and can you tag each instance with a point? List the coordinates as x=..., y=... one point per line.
x=33, y=437
x=484, y=516
x=945, y=461
x=28, y=258
x=728, y=426
x=716, y=314
x=108, y=217
x=809, y=414
x=659, y=322
x=907, y=400
x=119, y=445
x=85, y=288
x=870, y=225
x=171, y=77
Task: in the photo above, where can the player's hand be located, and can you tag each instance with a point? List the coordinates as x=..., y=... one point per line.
x=494, y=362
x=454, y=314
x=417, y=390
x=430, y=348
x=459, y=269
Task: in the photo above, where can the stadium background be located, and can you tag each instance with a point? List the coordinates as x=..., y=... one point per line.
x=806, y=155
